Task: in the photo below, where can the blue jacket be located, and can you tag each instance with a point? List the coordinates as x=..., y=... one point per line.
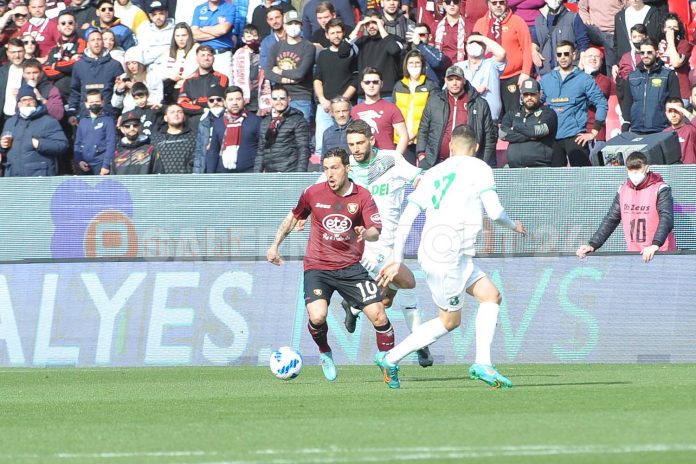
x=248, y=146
x=334, y=137
x=647, y=96
x=570, y=98
x=95, y=141
x=93, y=73
x=25, y=160
x=205, y=131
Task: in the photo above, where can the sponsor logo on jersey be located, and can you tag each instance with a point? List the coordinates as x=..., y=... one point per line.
x=322, y=205
x=376, y=218
x=352, y=208
x=337, y=223
x=454, y=301
x=317, y=291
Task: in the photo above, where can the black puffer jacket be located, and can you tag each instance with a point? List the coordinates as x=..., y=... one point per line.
x=290, y=152
x=435, y=116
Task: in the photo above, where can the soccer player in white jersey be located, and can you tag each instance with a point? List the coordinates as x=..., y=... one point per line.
x=385, y=173
x=452, y=193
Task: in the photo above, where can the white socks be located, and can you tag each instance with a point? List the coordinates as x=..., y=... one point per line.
x=422, y=336
x=486, y=320
x=407, y=299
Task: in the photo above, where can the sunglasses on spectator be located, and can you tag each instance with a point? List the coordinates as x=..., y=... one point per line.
x=371, y=82
x=560, y=54
x=279, y=98
x=215, y=99
x=19, y=15
x=67, y=23
x=646, y=52
x=130, y=125
x=451, y=2
x=499, y=2
x=27, y=42
x=105, y=9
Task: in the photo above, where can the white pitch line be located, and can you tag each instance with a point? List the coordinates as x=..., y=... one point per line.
x=343, y=455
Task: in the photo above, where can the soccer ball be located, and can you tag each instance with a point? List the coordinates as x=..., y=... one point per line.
x=286, y=363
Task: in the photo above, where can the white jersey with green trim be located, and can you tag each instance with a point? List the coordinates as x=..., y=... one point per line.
x=450, y=193
x=385, y=176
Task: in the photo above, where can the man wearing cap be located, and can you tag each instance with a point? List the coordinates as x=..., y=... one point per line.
x=531, y=130
x=290, y=62
x=156, y=35
x=36, y=138
x=108, y=21
x=459, y=104
x=134, y=153
x=95, y=70
x=213, y=25
x=216, y=107
x=42, y=29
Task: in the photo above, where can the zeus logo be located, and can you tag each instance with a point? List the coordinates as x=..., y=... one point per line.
x=337, y=223
x=111, y=233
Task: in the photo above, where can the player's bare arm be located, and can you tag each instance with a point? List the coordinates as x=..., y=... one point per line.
x=369, y=235
x=288, y=224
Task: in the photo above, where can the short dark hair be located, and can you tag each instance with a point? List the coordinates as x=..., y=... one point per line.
x=250, y=28
x=274, y=8
x=465, y=135
x=205, y=48
x=649, y=42
x=16, y=42
x=370, y=70
x=32, y=63
x=92, y=92
x=640, y=28
x=565, y=43
x=281, y=88
x=233, y=89
x=636, y=160
x=359, y=126
x=373, y=13
x=674, y=100
x=338, y=153
x=425, y=26
x=335, y=22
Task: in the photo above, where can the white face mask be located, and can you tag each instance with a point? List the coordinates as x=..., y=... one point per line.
x=636, y=177
x=474, y=49
x=553, y=4
x=293, y=30
x=27, y=111
x=36, y=21
x=217, y=111
x=414, y=72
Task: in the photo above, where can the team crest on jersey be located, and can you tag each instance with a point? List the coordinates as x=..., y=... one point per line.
x=454, y=301
x=317, y=291
x=352, y=208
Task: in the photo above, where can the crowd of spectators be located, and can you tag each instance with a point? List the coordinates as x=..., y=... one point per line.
x=234, y=86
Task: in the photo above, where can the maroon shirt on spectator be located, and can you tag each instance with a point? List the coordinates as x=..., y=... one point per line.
x=46, y=35
x=606, y=85
x=458, y=115
x=684, y=48
x=381, y=117
x=687, y=140
x=332, y=240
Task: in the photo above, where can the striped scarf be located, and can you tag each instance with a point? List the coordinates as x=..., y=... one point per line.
x=496, y=26
x=461, y=37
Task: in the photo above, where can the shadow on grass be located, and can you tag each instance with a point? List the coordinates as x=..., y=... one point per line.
x=570, y=384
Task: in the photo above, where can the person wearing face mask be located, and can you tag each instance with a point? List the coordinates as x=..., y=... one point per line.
x=235, y=137
x=410, y=96
x=134, y=153
x=95, y=140
x=484, y=73
x=247, y=75
x=644, y=206
x=36, y=138
x=290, y=62
x=556, y=24
x=216, y=106
x=636, y=12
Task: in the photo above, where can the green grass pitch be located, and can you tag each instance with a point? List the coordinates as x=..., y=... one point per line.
x=585, y=413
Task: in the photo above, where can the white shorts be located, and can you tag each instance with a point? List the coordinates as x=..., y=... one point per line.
x=448, y=285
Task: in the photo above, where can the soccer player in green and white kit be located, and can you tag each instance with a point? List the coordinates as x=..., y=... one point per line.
x=452, y=193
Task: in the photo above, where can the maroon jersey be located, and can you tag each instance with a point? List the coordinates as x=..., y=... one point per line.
x=332, y=241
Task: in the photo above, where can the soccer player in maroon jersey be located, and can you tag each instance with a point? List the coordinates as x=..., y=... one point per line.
x=344, y=215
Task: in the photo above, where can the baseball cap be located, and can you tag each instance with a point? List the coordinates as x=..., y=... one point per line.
x=157, y=5
x=456, y=71
x=291, y=16
x=529, y=86
x=130, y=116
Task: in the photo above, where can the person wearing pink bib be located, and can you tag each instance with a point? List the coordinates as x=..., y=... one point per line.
x=643, y=205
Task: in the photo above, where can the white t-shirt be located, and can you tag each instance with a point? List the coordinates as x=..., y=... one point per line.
x=14, y=81
x=634, y=17
x=386, y=177
x=450, y=193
